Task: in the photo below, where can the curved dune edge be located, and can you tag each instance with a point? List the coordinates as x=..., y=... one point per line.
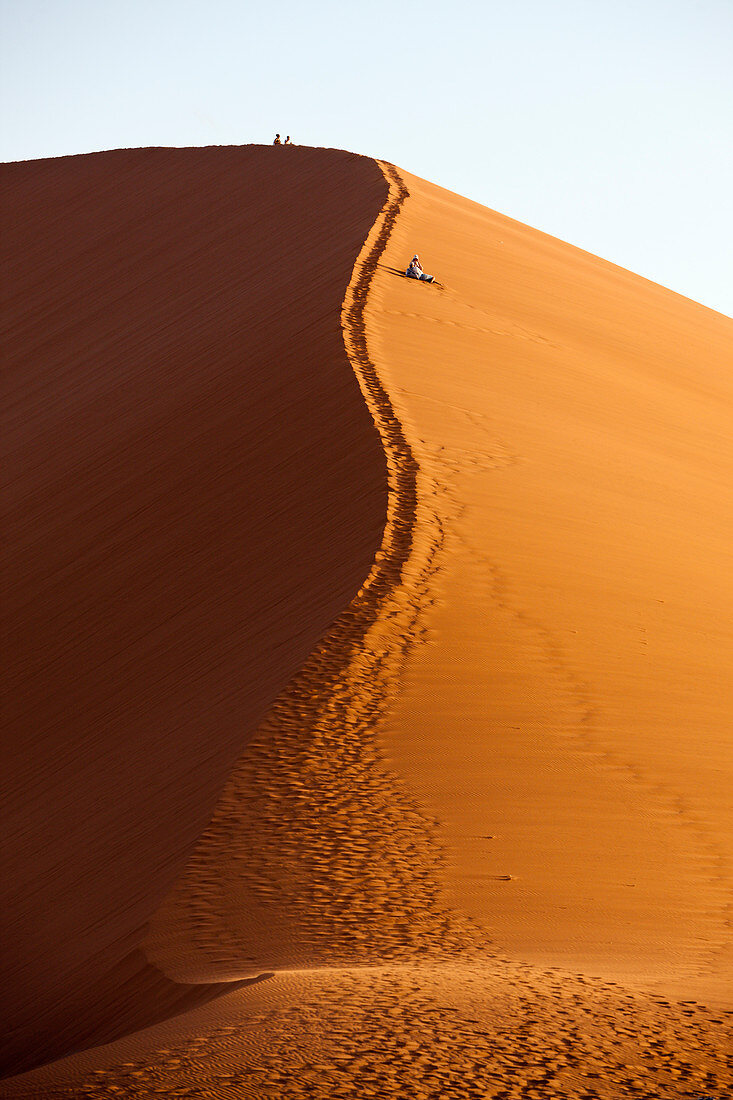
x=466, y=1027
x=317, y=855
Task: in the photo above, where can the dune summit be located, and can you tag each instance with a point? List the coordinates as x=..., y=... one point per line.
x=458, y=792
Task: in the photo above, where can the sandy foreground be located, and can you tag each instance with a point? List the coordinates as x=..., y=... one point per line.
x=480, y=845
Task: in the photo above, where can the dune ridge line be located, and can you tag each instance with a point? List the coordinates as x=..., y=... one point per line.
x=402, y=465
x=317, y=854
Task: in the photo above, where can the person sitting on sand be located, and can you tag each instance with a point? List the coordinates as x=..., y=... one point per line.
x=277, y=140
x=287, y=140
x=415, y=271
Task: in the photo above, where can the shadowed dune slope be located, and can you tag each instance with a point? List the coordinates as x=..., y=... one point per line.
x=193, y=489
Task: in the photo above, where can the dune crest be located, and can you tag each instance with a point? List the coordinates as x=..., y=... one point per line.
x=317, y=855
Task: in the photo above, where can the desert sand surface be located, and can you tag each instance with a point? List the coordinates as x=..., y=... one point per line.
x=571, y=423
x=480, y=843
x=193, y=489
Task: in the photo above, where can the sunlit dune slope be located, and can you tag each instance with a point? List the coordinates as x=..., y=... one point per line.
x=570, y=717
x=193, y=489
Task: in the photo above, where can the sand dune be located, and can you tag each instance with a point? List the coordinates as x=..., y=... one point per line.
x=194, y=490
x=483, y=833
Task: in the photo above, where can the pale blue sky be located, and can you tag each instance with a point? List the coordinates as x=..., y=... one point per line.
x=608, y=124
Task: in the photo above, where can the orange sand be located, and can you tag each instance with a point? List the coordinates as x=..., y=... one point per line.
x=482, y=835
x=571, y=422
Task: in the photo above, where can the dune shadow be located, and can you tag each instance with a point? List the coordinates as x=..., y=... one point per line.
x=393, y=270
x=131, y=996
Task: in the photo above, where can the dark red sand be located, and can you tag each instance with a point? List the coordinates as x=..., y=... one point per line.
x=193, y=488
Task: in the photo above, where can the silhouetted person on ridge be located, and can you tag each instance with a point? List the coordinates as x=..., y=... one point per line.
x=277, y=140
x=287, y=140
x=415, y=271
